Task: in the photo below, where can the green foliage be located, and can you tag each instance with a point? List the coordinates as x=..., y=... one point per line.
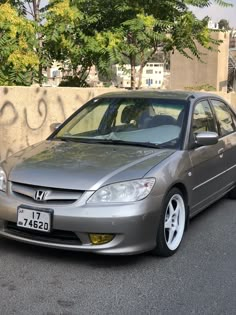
x=207, y=3
x=224, y=25
x=94, y=32
x=204, y=87
x=18, y=59
x=137, y=31
x=67, y=43
x=73, y=81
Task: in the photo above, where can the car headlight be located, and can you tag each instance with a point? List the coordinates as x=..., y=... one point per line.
x=3, y=180
x=124, y=191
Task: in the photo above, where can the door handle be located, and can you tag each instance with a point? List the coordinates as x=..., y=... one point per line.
x=220, y=152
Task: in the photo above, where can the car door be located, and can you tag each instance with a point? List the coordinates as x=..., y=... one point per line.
x=226, y=122
x=207, y=161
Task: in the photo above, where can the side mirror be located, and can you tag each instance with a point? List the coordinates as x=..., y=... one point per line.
x=206, y=138
x=54, y=126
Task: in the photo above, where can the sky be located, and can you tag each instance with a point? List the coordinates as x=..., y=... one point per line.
x=216, y=13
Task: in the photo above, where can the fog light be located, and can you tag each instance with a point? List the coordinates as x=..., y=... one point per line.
x=98, y=239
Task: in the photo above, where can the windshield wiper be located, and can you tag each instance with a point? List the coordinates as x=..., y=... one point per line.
x=122, y=142
x=66, y=139
x=109, y=141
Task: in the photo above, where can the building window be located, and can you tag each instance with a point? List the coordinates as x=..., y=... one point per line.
x=56, y=73
x=149, y=71
x=149, y=82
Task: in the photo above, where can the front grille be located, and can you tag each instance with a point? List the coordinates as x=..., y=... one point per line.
x=56, y=236
x=45, y=195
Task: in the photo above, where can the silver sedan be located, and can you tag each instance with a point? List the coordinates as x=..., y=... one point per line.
x=123, y=174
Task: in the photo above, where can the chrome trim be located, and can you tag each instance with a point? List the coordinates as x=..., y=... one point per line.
x=51, y=193
x=41, y=195
x=207, y=181
x=208, y=200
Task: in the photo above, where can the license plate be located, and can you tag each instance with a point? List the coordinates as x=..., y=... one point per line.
x=33, y=219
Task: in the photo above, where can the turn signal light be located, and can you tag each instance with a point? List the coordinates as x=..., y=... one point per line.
x=99, y=239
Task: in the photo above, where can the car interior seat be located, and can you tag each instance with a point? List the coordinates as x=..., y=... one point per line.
x=129, y=115
x=160, y=120
x=145, y=117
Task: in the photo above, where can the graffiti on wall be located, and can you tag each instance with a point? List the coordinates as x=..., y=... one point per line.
x=27, y=113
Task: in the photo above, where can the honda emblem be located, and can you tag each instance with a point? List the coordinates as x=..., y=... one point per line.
x=40, y=195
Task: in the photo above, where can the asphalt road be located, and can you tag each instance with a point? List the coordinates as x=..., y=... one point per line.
x=199, y=279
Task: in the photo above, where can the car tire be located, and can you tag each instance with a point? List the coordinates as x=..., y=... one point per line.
x=172, y=224
x=232, y=193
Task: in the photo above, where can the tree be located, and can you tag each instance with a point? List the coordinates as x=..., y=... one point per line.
x=224, y=25
x=30, y=13
x=136, y=31
x=17, y=55
x=101, y=32
x=77, y=51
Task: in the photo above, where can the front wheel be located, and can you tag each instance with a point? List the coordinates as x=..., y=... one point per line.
x=172, y=224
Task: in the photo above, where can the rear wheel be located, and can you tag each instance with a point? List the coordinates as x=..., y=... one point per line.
x=172, y=224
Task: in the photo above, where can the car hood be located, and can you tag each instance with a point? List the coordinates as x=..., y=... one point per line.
x=83, y=166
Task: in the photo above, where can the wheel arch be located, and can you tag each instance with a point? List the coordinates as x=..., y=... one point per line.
x=183, y=189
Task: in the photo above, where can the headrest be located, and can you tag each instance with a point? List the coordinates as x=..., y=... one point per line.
x=129, y=113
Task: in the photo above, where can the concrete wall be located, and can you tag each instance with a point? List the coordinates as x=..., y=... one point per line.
x=26, y=113
x=213, y=70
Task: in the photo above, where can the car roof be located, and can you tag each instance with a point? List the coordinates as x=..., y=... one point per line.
x=164, y=94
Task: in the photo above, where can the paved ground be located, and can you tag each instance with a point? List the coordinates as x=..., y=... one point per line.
x=199, y=279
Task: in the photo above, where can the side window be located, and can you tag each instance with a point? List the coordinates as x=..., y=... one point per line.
x=224, y=117
x=203, y=119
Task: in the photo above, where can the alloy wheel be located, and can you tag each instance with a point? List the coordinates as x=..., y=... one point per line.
x=174, y=223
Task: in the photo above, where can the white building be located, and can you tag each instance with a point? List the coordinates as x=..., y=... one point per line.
x=212, y=25
x=153, y=75
x=55, y=74
x=122, y=75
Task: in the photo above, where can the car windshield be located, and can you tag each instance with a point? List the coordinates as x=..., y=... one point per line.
x=128, y=121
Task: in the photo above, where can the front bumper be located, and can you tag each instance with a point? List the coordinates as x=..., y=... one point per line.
x=133, y=224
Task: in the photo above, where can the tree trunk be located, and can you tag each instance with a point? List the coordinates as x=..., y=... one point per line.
x=140, y=73
x=40, y=74
x=133, y=73
x=36, y=6
x=36, y=15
